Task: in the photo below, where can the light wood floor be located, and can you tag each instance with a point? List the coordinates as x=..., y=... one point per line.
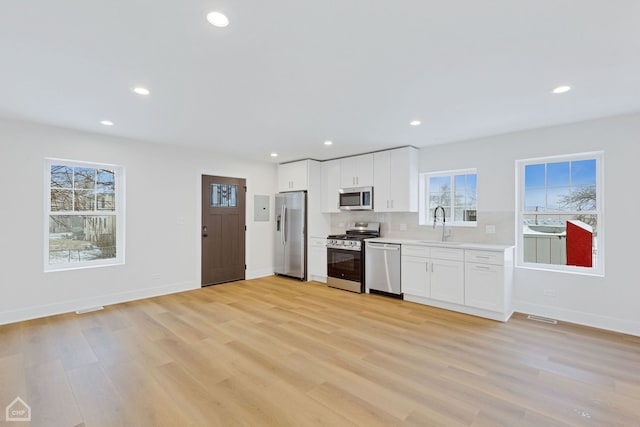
x=278, y=352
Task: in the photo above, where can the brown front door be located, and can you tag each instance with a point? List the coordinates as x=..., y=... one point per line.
x=223, y=229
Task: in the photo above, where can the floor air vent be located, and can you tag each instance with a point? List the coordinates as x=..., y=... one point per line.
x=542, y=319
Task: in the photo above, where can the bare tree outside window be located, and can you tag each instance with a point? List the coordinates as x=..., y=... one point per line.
x=83, y=214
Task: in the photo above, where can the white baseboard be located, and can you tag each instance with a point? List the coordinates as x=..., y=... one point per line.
x=260, y=272
x=102, y=300
x=488, y=314
x=586, y=319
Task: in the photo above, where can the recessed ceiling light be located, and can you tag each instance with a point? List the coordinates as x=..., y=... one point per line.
x=274, y=154
x=141, y=90
x=106, y=122
x=561, y=89
x=217, y=19
x=327, y=142
x=415, y=123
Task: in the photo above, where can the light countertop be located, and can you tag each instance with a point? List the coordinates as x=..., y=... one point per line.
x=434, y=243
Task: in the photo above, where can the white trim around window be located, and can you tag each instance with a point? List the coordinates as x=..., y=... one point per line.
x=460, y=204
x=553, y=195
x=84, y=221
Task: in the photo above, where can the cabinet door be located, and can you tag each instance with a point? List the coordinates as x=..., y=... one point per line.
x=403, y=179
x=356, y=171
x=381, y=179
x=348, y=172
x=415, y=276
x=330, y=186
x=293, y=176
x=364, y=178
x=447, y=280
x=317, y=258
x=484, y=286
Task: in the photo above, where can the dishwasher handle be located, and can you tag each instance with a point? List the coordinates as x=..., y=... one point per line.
x=383, y=246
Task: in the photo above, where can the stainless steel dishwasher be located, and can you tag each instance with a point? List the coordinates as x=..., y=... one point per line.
x=382, y=268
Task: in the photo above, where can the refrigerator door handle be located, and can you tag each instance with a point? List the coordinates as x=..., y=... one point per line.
x=284, y=224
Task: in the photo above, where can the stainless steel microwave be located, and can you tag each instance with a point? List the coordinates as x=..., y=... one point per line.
x=355, y=199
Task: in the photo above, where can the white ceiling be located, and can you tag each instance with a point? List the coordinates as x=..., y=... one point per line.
x=286, y=75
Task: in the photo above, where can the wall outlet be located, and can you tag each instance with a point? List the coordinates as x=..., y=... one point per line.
x=490, y=229
x=180, y=220
x=550, y=293
x=155, y=276
x=403, y=227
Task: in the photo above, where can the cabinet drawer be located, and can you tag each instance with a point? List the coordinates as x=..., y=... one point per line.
x=447, y=253
x=421, y=251
x=484, y=257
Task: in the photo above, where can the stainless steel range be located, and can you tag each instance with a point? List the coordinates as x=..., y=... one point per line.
x=345, y=256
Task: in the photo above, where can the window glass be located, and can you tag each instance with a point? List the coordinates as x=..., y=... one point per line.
x=455, y=191
x=558, y=174
x=560, y=216
x=82, y=215
x=224, y=196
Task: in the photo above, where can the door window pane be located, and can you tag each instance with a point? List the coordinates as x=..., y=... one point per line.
x=224, y=196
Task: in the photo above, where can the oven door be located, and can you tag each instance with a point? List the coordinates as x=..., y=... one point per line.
x=344, y=264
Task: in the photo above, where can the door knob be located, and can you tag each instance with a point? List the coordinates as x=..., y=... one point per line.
x=204, y=231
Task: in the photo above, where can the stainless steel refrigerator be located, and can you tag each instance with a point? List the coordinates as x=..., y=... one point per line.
x=290, y=239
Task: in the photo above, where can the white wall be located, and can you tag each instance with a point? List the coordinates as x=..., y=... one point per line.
x=609, y=302
x=162, y=220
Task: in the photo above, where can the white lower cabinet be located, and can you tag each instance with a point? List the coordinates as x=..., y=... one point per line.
x=433, y=272
x=317, y=259
x=484, y=286
x=414, y=275
x=472, y=281
x=447, y=280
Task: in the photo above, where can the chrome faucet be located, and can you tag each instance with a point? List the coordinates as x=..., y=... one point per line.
x=435, y=218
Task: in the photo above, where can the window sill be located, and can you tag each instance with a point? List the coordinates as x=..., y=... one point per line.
x=566, y=269
x=68, y=267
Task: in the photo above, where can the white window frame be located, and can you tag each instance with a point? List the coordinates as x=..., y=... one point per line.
x=119, y=214
x=425, y=217
x=596, y=270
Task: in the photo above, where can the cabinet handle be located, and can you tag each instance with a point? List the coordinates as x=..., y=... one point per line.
x=483, y=256
x=387, y=203
x=392, y=204
x=482, y=267
x=426, y=266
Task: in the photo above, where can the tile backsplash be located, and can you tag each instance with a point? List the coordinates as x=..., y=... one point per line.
x=405, y=226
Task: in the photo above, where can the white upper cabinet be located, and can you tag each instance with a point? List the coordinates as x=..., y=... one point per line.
x=330, y=186
x=395, y=186
x=357, y=171
x=293, y=176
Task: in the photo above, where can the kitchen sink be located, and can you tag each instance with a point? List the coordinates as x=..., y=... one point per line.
x=547, y=228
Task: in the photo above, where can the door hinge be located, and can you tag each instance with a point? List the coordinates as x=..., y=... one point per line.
x=245, y=266
x=245, y=228
x=245, y=188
